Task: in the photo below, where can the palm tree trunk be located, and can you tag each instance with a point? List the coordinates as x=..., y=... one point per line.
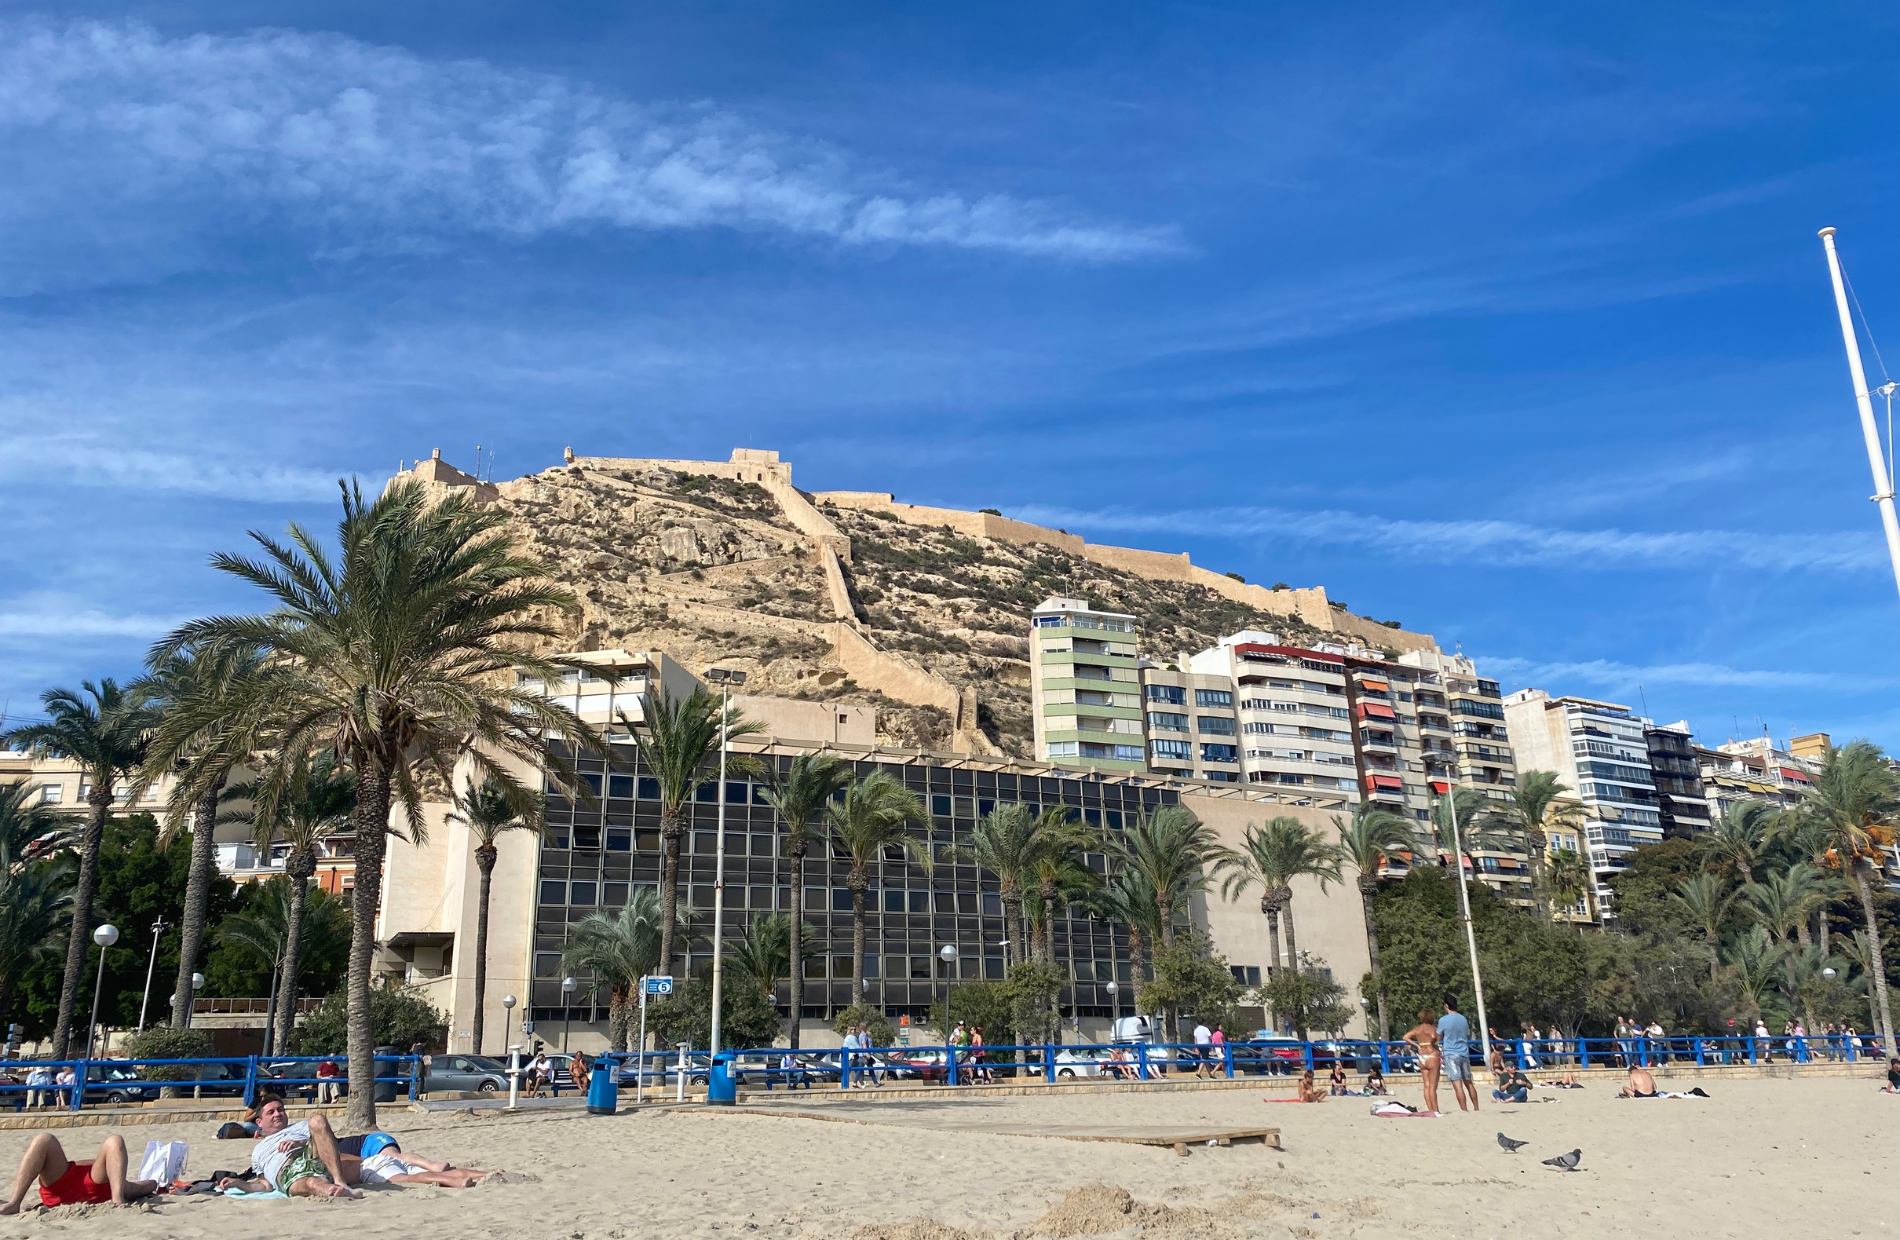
x=293, y=951
x=1292, y=947
x=98, y=806
x=1164, y=905
x=1714, y=942
x=1273, y=936
x=1875, y=958
x=670, y=831
x=1537, y=843
x=619, y=1016
x=1013, y=922
x=372, y=832
x=485, y=866
x=1820, y=929
x=1048, y=894
x=1801, y=933
x=1366, y=893
x=797, y=941
x=857, y=881
x=1137, y=964
x=191, y=927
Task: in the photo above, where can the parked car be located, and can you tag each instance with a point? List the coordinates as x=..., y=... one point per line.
x=117, y=1085
x=658, y=1074
x=1082, y=1061
x=467, y=1074
x=1269, y=1056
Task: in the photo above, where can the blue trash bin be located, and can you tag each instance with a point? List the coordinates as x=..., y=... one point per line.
x=721, y=1088
x=603, y=1092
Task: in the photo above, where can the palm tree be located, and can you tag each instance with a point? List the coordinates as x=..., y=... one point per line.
x=277, y=925
x=1780, y=904
x=1173, y=851
x=678, y=740
x=1807, y=840
x=403, y=650
x=800, y=796
x=105, y=732
x=1271, y=857
x=36, y=883
x=1568, y=879
x=1057, y=867
x=869, y=820
x=1754, y=956
x=1004, y=843
x=762, y=955
x=1735, y=846
x=487, y=811
x=1856, y=799
x=1537, y=806
x=192, y=678
x=1127, y=898
x=1373, y=835
x=1707, y=899
x=619, y=949
x=317, y=803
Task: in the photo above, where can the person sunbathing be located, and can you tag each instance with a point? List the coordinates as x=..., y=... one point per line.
x=1893, y=1078
x=1310, y=1090
x=1641, y=1084
x=306, y=1159
x=63, y=1182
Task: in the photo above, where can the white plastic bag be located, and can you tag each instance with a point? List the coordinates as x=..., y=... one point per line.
x=164, y=1162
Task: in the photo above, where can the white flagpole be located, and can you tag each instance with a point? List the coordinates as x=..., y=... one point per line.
x=1883, y=486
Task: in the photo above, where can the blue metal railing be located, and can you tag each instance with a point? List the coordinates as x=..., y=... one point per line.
x=259, y=1072
x=960, y=1065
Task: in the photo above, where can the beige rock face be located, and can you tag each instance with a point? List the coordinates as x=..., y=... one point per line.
x=926, y=623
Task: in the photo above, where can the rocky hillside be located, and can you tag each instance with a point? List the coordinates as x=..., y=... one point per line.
x=710, y=570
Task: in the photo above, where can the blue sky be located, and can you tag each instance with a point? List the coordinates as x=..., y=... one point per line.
x=1507, y=324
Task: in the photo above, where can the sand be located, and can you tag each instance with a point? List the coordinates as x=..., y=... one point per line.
x=1760, y=1158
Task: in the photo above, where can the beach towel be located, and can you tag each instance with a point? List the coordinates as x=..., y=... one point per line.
x=238, y=1192
x=1398, y=1110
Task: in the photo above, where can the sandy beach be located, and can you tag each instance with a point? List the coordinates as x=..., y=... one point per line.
x=1760, y=1158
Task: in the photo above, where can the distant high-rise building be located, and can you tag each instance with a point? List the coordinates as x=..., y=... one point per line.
x=1084, y=687
x=1290, y=703
x=1680, y=801
x=1601, y=751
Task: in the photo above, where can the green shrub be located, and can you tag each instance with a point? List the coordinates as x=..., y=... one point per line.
x=883, y=1033
x=749, y=1019
x=165, y=1042
x=398, y=1016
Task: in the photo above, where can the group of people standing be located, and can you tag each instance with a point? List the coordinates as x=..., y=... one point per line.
x=1444, y=1053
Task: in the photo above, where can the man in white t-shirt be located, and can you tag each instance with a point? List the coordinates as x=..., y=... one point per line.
x=1203, y=1049
x=300, y=1159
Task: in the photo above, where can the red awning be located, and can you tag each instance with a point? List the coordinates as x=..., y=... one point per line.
x=1800, y=775
x=1380, y=685
x=1392, y=782
x=1439, y=786
x=1374, y=710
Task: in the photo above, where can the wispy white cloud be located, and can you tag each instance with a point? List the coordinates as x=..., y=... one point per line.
x=1511, y=544
x=1625, y=679
x=374, y=146
x=56, y=616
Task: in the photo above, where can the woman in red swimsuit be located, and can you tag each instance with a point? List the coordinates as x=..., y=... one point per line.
x=66, y=1183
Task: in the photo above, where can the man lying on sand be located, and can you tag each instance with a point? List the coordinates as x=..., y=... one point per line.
x=66, y=1183
x=305, y=1160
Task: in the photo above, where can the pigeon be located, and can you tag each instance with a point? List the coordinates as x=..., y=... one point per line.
x=1510, y=1146
x=1565, y=1162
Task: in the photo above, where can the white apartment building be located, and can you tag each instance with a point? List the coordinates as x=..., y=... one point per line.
x=1291, y=707
x=1601, y=751
x=1085, y=687
x=1193, y=727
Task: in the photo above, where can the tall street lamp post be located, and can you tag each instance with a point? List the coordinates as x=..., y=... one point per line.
x=725, y=679
x=158, y=928
x=105, y=936
x=567, y=1007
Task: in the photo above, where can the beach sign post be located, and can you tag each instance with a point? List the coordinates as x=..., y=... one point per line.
x=652, y=985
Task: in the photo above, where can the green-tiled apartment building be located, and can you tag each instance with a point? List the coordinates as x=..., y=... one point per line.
x=1084, y=687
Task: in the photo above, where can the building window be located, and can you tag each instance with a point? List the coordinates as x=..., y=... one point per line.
x=50, y=794
x=553, y=891
x=1218, y=753
x=1179, y=750
x=1062, y=749
x=1213, y=697
x=1165, y=722
x=1215, y=725
x=1174, y=695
